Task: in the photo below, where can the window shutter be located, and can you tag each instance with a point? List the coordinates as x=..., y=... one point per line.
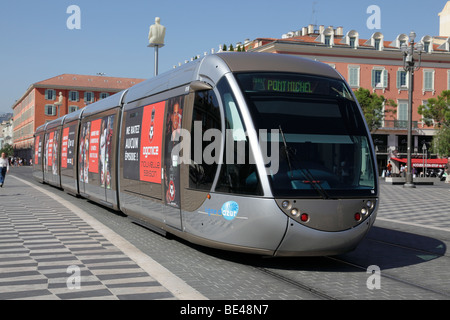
x=385, y=78
x=373, y=79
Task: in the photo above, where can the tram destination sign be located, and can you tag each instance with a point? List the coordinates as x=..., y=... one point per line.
x=281, y=85
x=286, y=83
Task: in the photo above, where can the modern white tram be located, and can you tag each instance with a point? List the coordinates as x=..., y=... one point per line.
x=250, y=152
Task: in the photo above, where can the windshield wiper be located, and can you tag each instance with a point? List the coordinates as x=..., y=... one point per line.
x=287, y=152
x=305, y=171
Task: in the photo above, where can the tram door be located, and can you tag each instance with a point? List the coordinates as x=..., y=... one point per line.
x=172, y=165
x=83, y=156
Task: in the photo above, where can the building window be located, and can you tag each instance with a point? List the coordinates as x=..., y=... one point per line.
x=402, y=111
x=328, y=41
x=402, y=79
x=74, y=96
x=379, y=78
x=353, y=42
x=88, y=97
x=50, y=110
x=377, y=44
x=104, y=95
x=353, y=76
x=448, y=79
x=73, y=109
x=426, y=47
x=428, y=80
x=50, y=94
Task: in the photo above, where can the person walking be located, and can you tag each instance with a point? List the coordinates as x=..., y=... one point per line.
x=4, y=168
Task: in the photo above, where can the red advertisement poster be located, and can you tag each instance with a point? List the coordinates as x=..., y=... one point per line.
x=151, y=140
x=64, y=147
x=94, y=142
x=37, y=150
x=171, y=162
x=50, y=149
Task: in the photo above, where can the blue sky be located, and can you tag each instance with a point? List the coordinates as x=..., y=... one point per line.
x=35, y=43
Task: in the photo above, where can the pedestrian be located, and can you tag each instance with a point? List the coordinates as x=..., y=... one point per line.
x=402, y=170
x=4, y=168
x=389, y=169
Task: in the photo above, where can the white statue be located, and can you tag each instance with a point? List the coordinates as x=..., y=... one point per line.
x=157, y=33
x=60, y=99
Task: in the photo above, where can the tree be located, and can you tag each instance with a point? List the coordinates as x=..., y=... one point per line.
x=437, y=113
x=437, y=110
x=441, y=142
x=373, y=107
x=7, y=149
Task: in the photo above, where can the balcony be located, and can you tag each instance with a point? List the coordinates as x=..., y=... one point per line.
x=399, y=124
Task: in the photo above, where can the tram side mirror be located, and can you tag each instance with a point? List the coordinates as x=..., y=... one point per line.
x=199, y=86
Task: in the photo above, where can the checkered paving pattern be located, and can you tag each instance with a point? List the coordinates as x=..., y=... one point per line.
x=425, y=205
x=48, y=252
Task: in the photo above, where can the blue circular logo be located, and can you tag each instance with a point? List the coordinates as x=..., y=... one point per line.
x=230, y=210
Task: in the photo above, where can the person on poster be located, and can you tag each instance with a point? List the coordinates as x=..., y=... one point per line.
x=109, y=135
x=171, y=173
x=81, y=160
x=86, y=152
x=46, y=152
x=55, y=154
x=103, y=153
x=4, y=168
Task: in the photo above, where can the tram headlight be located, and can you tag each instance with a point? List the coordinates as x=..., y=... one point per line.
x=285, y=204
x=364, y=211
x=295, y=212
x=370, y=204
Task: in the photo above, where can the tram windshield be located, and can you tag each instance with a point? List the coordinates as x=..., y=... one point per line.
x=323, y=144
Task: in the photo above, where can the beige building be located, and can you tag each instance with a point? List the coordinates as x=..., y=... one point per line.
x=6, y=132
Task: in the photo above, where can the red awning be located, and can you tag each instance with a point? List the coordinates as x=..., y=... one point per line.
x=429, y=163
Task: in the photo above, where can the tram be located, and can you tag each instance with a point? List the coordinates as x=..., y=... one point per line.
x=251, y=152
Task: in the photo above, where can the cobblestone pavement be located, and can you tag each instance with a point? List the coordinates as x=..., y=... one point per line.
x=424, y=205
x=55, y=231
x=48, y=251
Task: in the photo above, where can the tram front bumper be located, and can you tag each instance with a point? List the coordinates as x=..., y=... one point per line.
x=303, y=241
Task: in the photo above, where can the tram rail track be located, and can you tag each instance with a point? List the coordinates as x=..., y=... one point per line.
x=392, y=277
x=324, y=294
x=315, y=292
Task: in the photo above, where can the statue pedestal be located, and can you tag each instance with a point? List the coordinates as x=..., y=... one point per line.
x=156, y=46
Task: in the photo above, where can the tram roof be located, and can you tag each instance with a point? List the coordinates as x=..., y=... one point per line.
x=275, y=62
x=212, y=68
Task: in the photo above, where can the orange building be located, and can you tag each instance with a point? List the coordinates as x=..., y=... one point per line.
x=40, y=103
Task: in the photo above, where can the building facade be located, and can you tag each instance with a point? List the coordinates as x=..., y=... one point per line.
x=6, y=130
x=49, y=99
x=377, y=64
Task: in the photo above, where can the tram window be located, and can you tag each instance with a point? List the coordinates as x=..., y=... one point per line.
x=206, y=115
x=237, y=174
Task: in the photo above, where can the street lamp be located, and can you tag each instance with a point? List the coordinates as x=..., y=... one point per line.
x=409, y=65
x=424, y=158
